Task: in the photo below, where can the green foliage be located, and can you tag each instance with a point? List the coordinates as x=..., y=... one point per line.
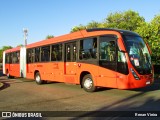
x=49, y=36
x=128, y=20
x=94, y=24
x=131, y=20
x=77, y=28
x=151, y=34
x=20, y=45
x=3, y=49
x=155, y=39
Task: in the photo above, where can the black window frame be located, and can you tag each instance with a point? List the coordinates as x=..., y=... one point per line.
x=14, y=57
x=56, y=52
x=37, y=54
x=31, y=55
x=7, y=58
x=44, y=55
x=73, y=51
x=92, y=53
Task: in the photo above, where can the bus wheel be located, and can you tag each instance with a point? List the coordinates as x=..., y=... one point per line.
x=8, y=75
x=87, y=83
x=38, y=78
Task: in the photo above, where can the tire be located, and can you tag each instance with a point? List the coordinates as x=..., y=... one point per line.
x=9, y=76
x=88, y=84
x=38, y=79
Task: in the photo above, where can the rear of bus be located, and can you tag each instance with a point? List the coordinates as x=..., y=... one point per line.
x=11, y=59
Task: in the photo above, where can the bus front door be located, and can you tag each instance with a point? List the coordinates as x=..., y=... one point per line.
x=70, y=62
x=107, y=62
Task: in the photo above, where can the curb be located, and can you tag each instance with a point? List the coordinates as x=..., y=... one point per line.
x=1, y=85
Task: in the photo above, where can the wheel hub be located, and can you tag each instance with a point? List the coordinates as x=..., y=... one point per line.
x=38, y=78
x=88, y=83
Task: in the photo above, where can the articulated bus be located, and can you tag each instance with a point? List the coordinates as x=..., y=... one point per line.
x=91, y=58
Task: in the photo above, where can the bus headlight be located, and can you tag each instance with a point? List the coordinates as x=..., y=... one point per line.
x=134, y=74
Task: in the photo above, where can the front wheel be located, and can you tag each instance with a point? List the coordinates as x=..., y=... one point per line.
x=88, y=84
x=38, y=78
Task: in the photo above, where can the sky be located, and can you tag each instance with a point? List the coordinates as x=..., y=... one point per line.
x=58, y=17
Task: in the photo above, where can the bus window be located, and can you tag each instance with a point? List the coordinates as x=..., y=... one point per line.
x=37, y=54
x=74, y=52
x=107, y=50
x=15, y=57
x=71, y=52
x=7, y=58
x=122, y=66
x=56, y=54
x=30, y=56
x=18, y=56
x=45, y=53
x=88, y=49
x=68, y=53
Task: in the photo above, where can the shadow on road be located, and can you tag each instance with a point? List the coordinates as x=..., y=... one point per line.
x=124, y=111
x=123, y=108
x=5, y=85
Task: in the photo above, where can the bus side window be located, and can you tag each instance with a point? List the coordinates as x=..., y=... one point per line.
x=68, y=53
x=7, y=57
x=30, y=56
x=88, y=49
x=37, y=54
x=74, y=52
x=53, y=54
x=14, y=57
x=107, y=50
x=45, y=53
x=112, y=51
x=56, y=54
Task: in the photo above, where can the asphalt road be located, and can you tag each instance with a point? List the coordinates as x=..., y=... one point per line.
x=26, y=95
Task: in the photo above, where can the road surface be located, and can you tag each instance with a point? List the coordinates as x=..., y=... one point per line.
x=26, y=95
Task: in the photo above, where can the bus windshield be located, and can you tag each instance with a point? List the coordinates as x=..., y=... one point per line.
x=138, y=53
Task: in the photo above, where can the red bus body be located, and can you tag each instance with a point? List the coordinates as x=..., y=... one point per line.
x=12, y=68
x=74, y=71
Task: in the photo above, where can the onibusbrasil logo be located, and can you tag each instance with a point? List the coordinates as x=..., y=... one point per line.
x=21, y=114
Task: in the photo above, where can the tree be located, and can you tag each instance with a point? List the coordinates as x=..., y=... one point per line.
x=131, y=20
x=3, y=49
x=77, y=28
x=155, y=39
x=20, y=45
x=49, y=36
x=94, y=24
x=128, y=20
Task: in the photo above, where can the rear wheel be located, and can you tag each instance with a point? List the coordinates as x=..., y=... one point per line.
x=88, y=84
x=8, y=75
x=38, y=79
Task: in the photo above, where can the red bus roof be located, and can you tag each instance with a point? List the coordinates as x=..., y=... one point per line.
x=71, y=36
x=75, y=35
x=13, y=49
